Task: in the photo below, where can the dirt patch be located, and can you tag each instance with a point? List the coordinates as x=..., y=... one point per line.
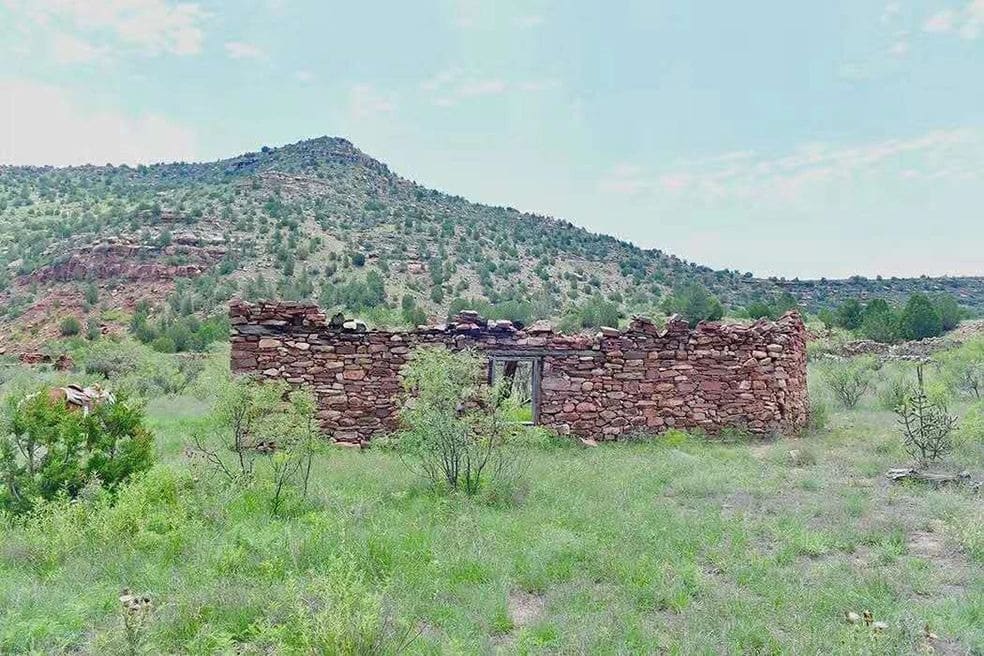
x=944, y=647
x=925, y=545
x=525, y=608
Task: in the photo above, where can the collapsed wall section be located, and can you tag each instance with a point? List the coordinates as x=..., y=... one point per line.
x=643, y=379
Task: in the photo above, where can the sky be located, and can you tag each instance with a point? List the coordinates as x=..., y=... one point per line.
x=783, y=138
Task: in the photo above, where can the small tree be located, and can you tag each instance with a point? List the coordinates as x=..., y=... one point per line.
x=925, y=425
x=91, y=294
x=290, y=460
x=261, y=423
x=47, y=450
x=240, y=424
x=849, y=314
x=878, y=322
x=455, y=427
x=693, y=302
x=919, y=319
x=949, y=311
x=70, y=326
x=849, y=380
x=963, y=367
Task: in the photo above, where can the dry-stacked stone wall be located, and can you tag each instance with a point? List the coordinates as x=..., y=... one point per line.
x=643, y=379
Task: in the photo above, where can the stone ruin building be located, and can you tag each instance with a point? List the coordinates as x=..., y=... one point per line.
x=644, y=379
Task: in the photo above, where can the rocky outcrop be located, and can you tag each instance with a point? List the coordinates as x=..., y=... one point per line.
x=646, y=378
x=128, y=262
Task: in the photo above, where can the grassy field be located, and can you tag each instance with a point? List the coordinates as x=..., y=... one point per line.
x=675, y=546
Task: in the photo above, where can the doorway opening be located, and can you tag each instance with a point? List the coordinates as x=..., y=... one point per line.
x=520, y=383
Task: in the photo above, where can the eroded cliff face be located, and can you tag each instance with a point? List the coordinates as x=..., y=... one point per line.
x=643, y=379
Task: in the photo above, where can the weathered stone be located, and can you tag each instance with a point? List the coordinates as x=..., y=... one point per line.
x=711, y=376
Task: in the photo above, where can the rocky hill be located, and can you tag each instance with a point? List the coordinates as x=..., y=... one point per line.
x=321, y=220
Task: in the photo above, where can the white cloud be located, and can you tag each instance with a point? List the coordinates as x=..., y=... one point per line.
x=890, y=11
x=941, y=21
x=69, y=49
x=625, y=179
x=304, y=76
x=489, y=87
x=148, y=26
x=899, y=49
x=746, y=176
x=365, y=102
x=42, y=124
x=968, y=22
x=452, y=86
x=243, y=50
x=466, y=13
x=529, y=21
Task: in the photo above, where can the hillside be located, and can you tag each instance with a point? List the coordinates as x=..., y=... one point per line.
x=321, y=220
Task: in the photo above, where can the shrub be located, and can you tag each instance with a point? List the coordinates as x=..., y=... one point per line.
x=971, y=428
x=949, y=311
x=896, y=390
x=91, y=293
x=919, y=319
x=772, y=309
x=694, y=303
x=925, y=425
x=963, y=368
x=134, y=368
x=879, y=322
x=827, y=318
x=337, y=612
x=455, y=426
x=70, y=326
x=412, y=315
x=848, y=380
x=252, y=424
x=47, y=450
x=593, y=313
x=819, y=414
x=92, y=330
x=849, y=314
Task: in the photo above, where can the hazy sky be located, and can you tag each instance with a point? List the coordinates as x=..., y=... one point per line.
x=781, y=137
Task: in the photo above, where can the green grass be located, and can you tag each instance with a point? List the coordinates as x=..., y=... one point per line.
x=683, y=547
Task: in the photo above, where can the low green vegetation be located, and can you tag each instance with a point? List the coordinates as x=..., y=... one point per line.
x=49, y=451
x=920, y=317
x=677, y=544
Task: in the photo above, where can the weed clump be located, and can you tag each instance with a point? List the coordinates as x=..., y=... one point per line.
x=456, y=431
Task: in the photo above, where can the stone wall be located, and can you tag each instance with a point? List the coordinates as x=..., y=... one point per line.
x=643, y=379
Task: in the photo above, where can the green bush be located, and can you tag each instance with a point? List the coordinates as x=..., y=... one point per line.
x=963, y=368
x=848, y=380
x=849, y=314
x=455, y=427
x=593, y=313
x=879, y=322
x=919, y=319
x=896, y=390
x=971, y=428
x=70, y=326
x=949, y=310
x=819, y=414
x=259, y=434
x=134, y=368
x=48, y=450
x=694, y=303
x=773, y=308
